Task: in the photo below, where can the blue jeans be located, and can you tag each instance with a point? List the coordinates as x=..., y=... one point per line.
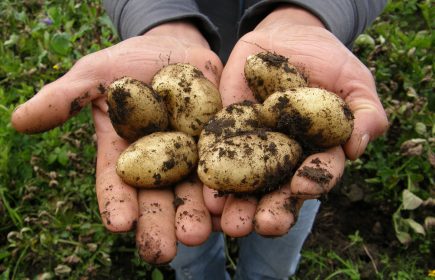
x=259, y=257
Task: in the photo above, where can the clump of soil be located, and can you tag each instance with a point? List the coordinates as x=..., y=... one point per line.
x=317, y=174
x=276, y=60
x=120, y=96
x=178, y=201
x=77, y=104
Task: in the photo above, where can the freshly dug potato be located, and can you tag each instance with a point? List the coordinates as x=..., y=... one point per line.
x=250, y=147
x=312, y=115
x=236, y=119
x=268, y=72
x=253, y=162
x=158, y=159
x=191, y=99
x=135, y=109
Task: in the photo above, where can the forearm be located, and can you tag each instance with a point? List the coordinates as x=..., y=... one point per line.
x=346, y=19
x=290, y=14
x=183, y=29
x=136, y=17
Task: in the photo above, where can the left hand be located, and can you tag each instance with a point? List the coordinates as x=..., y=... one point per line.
x=300, y=36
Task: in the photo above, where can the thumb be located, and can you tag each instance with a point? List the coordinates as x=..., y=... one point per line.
x=370, y=120
x=233, y=86
x=58, y=101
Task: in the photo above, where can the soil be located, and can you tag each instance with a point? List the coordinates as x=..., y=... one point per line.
x=178, y=201
x=338, y=218
x=317, y=174
x=120, y=98
x=101, y=89
x=276, y=60
x=77, y=104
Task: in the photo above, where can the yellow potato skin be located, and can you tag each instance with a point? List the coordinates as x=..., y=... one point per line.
x=135, y=109
x=253, y=162
x=313, y=115
x=191, y=99
x=157, y=160
x=268, y=72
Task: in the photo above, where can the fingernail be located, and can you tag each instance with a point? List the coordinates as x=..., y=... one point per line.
x=364, y=141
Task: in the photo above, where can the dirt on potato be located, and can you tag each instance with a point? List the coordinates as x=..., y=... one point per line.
x=276, y=60
x=120, y=96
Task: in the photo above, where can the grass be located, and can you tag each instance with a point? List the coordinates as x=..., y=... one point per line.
x=49, y=221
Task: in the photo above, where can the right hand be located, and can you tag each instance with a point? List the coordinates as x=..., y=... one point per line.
x=299, y=35
x=159, y=224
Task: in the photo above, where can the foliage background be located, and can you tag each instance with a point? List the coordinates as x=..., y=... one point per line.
x=49, y=222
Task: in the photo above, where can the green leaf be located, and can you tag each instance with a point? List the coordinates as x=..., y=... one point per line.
x=4, y=254
x=5, y=274
x=60, y=43
x=420, y=128
x=415, y=226
x=62, y=270
x=62, y=157
x=365, y=40
x=54, y=15
x=41, y=56
x=404, y=237
x=157, y=274
x=83, y=29
x=13, y=39
x=410, y=200
x=372, y=180
x=21, y=16
x=52, y=157
x=106, y=21
x=45, y=239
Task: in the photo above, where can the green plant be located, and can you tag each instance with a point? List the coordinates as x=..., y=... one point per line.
x=49, y=222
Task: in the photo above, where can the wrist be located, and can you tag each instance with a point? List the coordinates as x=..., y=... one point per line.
x=293, y=15
x=182, y=30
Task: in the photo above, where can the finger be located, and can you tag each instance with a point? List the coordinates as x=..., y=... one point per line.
x=238, y=215
x=318, y=173
x=155, y=235
x=274, y=215
x=214, y=201
x=193, y=222
x=59, y=100
x=370, y=118
x=234, y=87
x=216, y=223
x=277, y=212
x=117, y=201
x=206, y=61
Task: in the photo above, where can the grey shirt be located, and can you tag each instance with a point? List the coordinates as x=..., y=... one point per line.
x=223, y=22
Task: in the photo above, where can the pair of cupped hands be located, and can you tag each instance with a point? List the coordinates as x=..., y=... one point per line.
x=159, y=225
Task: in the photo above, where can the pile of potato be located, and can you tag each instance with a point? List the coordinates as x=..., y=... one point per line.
x=245, y=147
x=161, y=120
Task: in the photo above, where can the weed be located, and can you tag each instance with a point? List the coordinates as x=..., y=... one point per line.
x=49, y=221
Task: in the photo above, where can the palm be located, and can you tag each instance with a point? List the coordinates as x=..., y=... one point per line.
x=327, y=64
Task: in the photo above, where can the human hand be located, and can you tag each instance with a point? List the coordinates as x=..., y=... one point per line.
x=300, y=36
x=158, y=224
